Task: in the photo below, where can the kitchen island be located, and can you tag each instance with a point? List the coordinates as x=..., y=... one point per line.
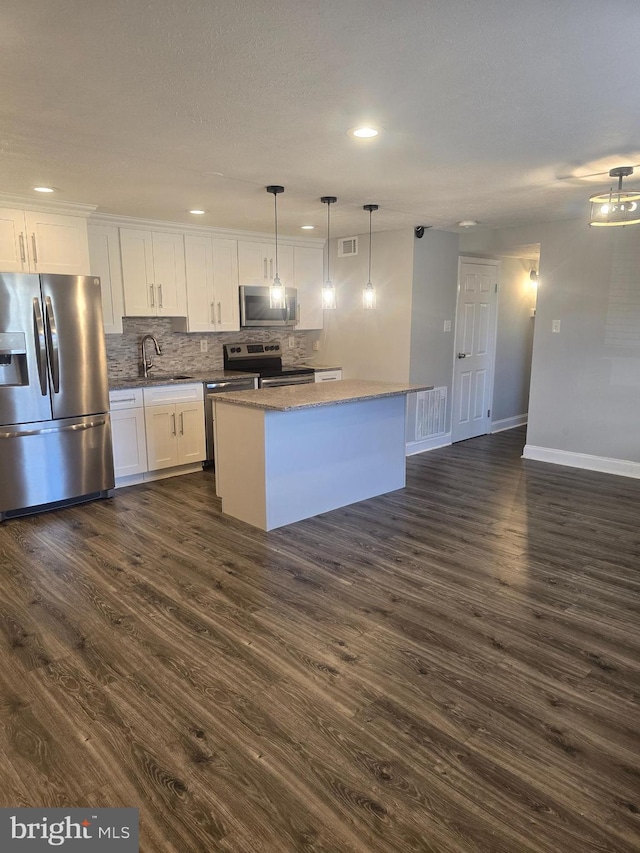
x=288, y=453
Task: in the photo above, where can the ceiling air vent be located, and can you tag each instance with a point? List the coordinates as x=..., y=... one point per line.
x=347, y=246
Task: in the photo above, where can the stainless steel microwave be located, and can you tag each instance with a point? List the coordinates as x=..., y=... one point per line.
x=255, y=309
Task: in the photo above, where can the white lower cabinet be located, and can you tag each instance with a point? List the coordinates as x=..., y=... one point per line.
x=157, y=429
x=128, y=432
x=174, y=418
x=327, y=375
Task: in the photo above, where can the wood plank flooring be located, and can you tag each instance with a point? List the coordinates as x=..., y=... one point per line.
x=452, y=668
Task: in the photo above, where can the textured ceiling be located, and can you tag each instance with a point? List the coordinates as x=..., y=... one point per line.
x=492, y=109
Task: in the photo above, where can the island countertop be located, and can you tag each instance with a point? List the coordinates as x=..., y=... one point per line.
x=290, y=397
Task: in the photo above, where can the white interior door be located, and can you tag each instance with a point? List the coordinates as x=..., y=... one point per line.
x=474, y=354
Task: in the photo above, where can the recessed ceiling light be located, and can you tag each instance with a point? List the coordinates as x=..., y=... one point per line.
x=307, y=227
x=467, y=223
x=44, y=189
x=198, y=212
x=364, y=132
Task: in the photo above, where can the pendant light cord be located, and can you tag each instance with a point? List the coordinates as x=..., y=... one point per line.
x=370, y=212
x=275, y=207
x=328, y=242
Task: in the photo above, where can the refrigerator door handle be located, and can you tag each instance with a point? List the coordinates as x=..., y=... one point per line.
x=52, y=339
x=47, y=430
x=41, y=347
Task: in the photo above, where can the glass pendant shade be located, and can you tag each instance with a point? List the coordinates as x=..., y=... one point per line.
x=328, y=296
x=369, y=296
x=329, y=302
x=618, y=206
x=276, y=294
x=369, y=292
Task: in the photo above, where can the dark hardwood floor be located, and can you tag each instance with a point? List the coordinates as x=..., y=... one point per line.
x=452, y=668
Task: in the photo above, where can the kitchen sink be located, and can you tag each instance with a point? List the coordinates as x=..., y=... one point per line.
x=174, y=377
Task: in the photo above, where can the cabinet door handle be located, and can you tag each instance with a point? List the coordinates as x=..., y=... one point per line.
x=181, y=423
x=173, y=418
x=265, y=269
x=23, y=256
x=123, y=400
x=270, y=268
x=160, y=296
x=35, y=248
x=153, y=296
x=219, y=313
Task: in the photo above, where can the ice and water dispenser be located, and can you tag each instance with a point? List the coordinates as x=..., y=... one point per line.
x=13, y=359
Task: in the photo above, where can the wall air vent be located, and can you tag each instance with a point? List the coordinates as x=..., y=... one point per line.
x=347, y=246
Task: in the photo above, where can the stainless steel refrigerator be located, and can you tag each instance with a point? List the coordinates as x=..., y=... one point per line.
x=55, y=430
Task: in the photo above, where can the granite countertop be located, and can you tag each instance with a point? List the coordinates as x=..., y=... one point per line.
x=289, y=397
x=213, y=375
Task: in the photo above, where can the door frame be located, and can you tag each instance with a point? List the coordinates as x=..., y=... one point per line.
x=491, y=262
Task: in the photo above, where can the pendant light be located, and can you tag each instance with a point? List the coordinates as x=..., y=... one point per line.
x=328, y=290
x=276, y=289
x=617, y=207
x=369, y=292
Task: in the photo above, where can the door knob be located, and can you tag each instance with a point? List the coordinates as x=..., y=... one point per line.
x=462, y=355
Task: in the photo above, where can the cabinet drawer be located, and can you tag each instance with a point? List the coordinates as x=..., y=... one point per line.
x=160, y=395
x=126, y=398
x=327, y=375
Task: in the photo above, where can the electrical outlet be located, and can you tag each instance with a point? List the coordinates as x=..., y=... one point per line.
x=555, y=326
x=316, y=346
x=292, y=342
x=204, y=346
x=447, y=326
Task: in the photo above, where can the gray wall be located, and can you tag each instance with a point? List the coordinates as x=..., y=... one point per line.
x=585, y=381
x=435, y=279
x=514, y=339
x=371, y=344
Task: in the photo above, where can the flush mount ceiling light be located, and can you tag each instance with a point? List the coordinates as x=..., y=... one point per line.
x=369, y=292
x=198, y=212
x=467, y=223
x=276, y=290
x=366, y=132
x=328, y=291
x=44, y=189
x=307, y=227
x=617, y=207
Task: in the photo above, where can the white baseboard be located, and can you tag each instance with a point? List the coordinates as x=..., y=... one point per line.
x=622, y=467
x=425, y=444
x=509, y=423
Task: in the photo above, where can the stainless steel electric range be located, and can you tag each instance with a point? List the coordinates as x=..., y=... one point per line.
x=266, y=360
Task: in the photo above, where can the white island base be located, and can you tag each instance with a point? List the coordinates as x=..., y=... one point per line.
x=277, y=467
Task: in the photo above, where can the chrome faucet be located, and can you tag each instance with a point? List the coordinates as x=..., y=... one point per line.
x=147, y=364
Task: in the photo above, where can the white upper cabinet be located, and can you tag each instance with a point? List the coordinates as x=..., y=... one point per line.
x=212, y=285
x=104, y=254
x=308, y=275
x=257, y=263
x=153, y=271
x=31, y=241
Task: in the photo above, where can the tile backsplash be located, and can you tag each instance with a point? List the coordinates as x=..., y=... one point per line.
x=181, y=352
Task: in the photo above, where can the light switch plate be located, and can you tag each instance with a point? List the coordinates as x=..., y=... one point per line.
x=447, y=326
x=316, y=346
x=555, y=326
x=292, y=342
x=204, y=346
